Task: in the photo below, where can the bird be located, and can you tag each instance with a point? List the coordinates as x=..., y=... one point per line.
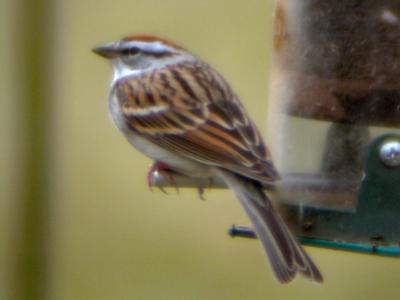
x=181, y=113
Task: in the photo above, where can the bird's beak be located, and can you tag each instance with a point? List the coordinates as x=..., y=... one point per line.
x=108, y=50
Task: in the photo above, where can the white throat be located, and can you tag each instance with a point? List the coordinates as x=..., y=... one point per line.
x=120, y=70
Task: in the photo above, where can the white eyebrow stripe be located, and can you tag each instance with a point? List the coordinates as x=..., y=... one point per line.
x=156, y=46
x=143, y=111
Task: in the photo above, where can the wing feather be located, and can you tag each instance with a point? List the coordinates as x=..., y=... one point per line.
x=195, y=114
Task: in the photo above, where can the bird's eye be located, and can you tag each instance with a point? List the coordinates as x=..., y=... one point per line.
x=130, y=51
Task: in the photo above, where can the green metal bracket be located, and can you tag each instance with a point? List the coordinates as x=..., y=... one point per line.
x=353, y=204
x=374, y=225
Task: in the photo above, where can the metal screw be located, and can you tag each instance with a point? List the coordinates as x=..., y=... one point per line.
x=390, y=153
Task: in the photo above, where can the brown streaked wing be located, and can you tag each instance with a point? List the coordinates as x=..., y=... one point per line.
x=206, y=141
x=212, y=131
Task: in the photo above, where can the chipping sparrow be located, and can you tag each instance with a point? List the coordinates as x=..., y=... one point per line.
x=180, y=112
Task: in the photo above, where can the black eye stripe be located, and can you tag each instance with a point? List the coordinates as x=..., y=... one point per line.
x=130, y=50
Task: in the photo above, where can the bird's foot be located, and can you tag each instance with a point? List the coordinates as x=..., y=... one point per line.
x=201, y=188
x=157, y=169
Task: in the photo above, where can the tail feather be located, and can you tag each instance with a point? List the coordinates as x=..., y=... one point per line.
x=286, y=255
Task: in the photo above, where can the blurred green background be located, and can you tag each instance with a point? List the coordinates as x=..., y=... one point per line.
x=77, y=220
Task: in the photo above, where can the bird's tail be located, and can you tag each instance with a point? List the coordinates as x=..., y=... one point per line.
x=285, y=254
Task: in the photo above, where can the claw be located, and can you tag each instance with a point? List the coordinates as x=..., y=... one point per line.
x=160, y=168
x=201, y=188
x=200, y=192
x=161, y=189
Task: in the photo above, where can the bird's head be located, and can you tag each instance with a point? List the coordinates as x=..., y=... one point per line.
x=136, y=54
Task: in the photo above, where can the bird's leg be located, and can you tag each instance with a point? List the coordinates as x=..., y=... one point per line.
x=201, y=187
x=159, y=168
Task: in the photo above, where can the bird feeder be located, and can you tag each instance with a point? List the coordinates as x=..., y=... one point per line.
x=334, y=123
x=335, y=119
